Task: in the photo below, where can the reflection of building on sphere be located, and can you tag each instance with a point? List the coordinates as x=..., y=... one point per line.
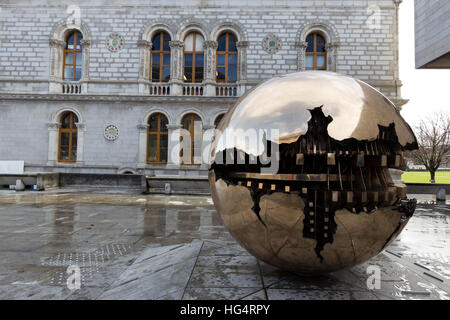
x=332, y=202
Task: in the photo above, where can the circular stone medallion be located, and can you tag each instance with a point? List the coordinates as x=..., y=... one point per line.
x=111, y=132
x=271, y=43
x=114, y=42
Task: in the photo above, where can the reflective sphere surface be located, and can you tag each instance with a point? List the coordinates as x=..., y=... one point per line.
x=299, y=171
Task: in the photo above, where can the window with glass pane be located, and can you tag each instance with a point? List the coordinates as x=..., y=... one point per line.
x=68, y=138
x=217, y=121
x=226, y=64
x=316, y=55
x=193, y=58
x=193, y=125
x=73, y=57
x=157, y=139
x=160, y=57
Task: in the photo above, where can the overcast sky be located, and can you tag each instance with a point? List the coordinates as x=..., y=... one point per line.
x=427, y=90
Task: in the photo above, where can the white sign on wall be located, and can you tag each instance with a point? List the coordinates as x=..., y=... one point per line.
x=11, y=167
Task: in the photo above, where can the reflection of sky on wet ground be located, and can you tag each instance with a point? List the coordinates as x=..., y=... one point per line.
x=426, y=238
x=42, y=234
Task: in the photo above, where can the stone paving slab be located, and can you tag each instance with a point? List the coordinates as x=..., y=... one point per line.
x=156, y=273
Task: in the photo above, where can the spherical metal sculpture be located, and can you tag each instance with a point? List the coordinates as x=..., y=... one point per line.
x=300, y=171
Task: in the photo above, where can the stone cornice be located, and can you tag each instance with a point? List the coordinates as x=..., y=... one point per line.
x=115, y=98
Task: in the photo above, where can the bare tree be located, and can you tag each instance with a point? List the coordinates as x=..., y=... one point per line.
x=433, y=137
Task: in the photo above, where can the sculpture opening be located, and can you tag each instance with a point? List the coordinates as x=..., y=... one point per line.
x=329, y=202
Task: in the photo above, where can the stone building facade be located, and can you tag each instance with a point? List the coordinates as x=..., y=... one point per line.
x=116, y=97
x=432, y=34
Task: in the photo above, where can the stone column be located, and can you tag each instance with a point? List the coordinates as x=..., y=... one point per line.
x=144, y=66
x=56, y=62
x=173, y=147
x=176, y=67
x=210, y=67
x=80, y=143
x=53, y=138
x=398, y=84
x=331, y=49
x=301, y=50
x=86, y=44
x=142, y=151
x=208, y=134
x=242, y=65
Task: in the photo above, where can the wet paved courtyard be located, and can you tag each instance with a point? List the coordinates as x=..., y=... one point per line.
x=130, y=246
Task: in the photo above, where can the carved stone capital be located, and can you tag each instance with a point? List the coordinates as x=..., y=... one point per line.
x=144, y=44
x=173, y=126
x=210, y=44
x=80, y=126
x=301, y=44
x=54, y=125
x=242, y=44
x=57, y=43
x=142, y=127
x=86, y=43
x=176, y=44
x=332, y=45
x=208, y=127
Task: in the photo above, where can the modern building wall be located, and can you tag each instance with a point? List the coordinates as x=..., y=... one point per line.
x=362, y=41
x=432, y=29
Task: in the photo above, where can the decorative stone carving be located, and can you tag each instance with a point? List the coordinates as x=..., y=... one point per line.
x=174, y=126
x=242, y=60
x=54, y=125
x=114, y=42
x=210, y=63
x=86, y=43
x=80, y=126
x=143, y=127
x=271, y=43
x=57, y=43
x=176, y=48
x=144, y=44
x=111, y=132
x=301, y=45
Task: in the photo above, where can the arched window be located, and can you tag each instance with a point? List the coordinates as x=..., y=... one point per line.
x=193, y=57
x=226, y=63
x=316, y=55
x=68, y=134
x=157, y=138
x=73, y=57
x=218, y=118
x=193, y=125
x=160, y=57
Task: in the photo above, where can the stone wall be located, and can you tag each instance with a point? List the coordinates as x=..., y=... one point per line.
x=432, y=20
x=361, y=47
x=361, y=37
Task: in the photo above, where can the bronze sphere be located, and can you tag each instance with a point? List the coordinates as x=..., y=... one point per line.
x=300, y=171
